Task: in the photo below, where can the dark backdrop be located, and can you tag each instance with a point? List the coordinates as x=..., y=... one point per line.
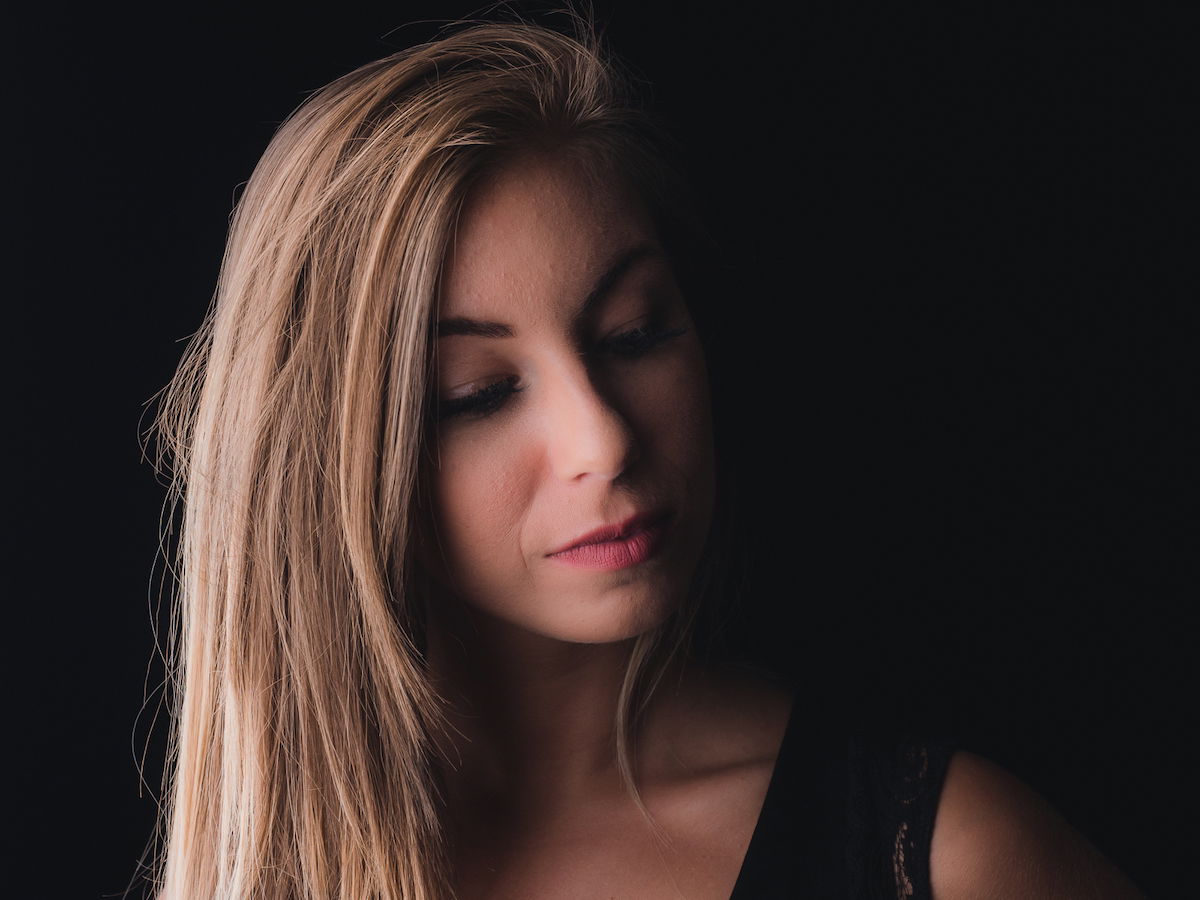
x=953, y=341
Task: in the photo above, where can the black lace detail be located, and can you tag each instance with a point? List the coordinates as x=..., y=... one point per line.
x=894, y=789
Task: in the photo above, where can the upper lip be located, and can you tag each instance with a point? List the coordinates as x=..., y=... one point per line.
x=632, y=525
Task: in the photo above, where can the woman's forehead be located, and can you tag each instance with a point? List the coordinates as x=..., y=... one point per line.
x=536, y=228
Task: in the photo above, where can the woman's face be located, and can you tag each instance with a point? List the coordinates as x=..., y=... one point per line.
x=573, y=485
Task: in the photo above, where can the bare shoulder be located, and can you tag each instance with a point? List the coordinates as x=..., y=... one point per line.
x=994, y=836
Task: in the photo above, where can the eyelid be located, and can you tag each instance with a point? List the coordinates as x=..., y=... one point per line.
x=482, y=402
x=637, y=342
x=642, y=320
x=652, y=321
x=468, y=388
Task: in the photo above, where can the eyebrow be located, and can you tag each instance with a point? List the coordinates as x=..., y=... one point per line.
x=459, y=325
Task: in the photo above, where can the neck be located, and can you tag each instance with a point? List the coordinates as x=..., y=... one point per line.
x=532, y=717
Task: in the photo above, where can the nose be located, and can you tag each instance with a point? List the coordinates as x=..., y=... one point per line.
x=586, y=434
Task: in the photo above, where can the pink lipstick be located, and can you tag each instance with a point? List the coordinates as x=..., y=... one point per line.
x=615, y=547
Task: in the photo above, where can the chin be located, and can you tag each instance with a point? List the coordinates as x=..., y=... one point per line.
x=615, y=629
x=615, y=615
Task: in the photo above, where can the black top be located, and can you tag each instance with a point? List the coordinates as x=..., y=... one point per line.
x=845, y=817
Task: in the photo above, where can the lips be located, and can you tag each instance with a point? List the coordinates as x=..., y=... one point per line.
x=615, y=546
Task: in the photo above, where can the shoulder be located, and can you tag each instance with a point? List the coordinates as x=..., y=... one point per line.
x=994, y=836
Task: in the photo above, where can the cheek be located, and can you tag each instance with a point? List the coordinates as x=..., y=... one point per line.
x=675, y=411
x=481, y=492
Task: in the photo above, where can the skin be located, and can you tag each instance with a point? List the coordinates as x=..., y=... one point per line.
x=530, y=652
x=994, y=837
x=592, y=434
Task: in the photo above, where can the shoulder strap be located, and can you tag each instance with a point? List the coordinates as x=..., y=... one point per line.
x=894, y=791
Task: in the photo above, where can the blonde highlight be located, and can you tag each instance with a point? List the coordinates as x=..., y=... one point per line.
x=303, y=759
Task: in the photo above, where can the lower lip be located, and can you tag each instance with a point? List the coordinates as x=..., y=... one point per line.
x=619, y=554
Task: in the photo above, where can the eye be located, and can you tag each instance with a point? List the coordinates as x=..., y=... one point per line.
x=478, y=404
x=637, y=341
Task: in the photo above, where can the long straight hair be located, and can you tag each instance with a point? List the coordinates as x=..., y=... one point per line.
x=302, y=754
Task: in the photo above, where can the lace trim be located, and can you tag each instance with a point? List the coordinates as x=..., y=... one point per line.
x=904, y=885
x=894, y=791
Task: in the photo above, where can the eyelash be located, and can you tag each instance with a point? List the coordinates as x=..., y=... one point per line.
x=627, y=345
x=637, y=341
x=483, y=402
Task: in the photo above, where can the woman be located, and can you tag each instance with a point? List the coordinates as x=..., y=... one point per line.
x=446, y=452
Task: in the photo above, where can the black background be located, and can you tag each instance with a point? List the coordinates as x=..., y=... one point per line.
x=955, y=349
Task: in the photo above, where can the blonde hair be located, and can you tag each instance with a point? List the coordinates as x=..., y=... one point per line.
x=302, y=758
